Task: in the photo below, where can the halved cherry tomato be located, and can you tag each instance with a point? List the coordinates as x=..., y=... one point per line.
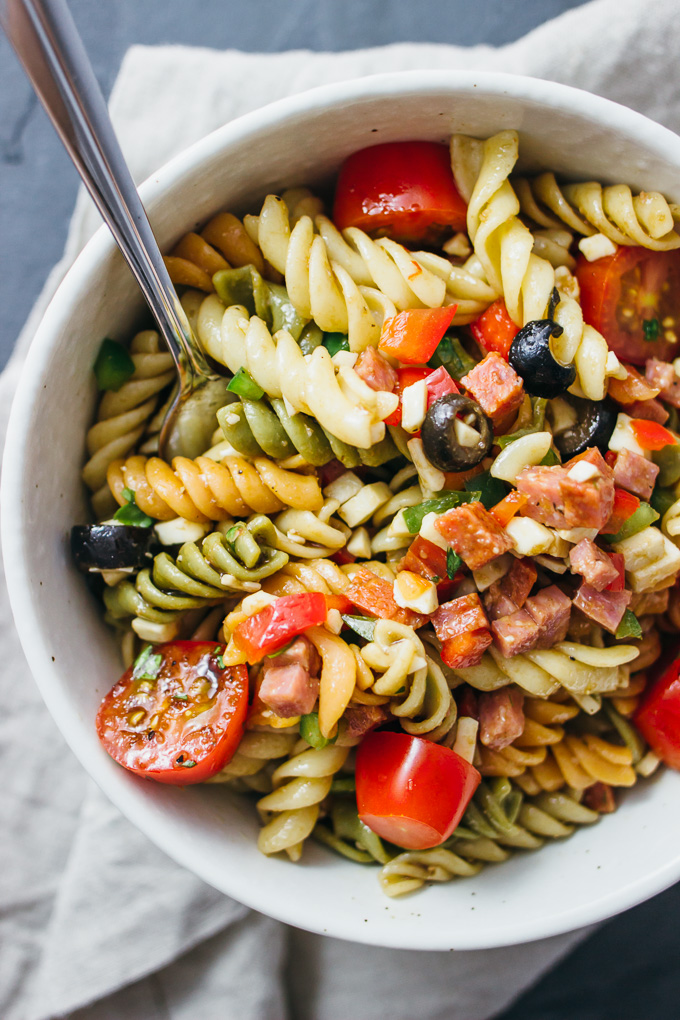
x=439, y=383
x=412, y=336
x=404, y=190
x=411, y=791
x=633, y=299
x=494, y=330
x=276, y=624
x=508, y=507
x=176, y=715
x=658, y=717
x=625, y=505
x=650, y=435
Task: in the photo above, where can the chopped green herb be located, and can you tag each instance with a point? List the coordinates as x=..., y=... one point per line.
x=188, y=764
x=638, y=521
x=281, y=650
x=181, y=697
x=453, y=563
x=334, y=342
x=629, y=626
x=147, y=664
x=244, y=385
x=413, y=515
x=451, y=355
x=235, y=532
x=550, y=459
x=651, y=329
x=492, y=490
x=309, y=731
x=130, y=513
x=361, y=625
x=220, y=661
x=113, y=366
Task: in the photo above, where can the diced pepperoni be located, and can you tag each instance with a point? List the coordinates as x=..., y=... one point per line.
x=635, y=473
x=633, y=387
x=604, y=607
x=651, y=410
x=594, y=565
x=559, y=501
x=501, y=717
x=661, y=375
x=425, y=558
x=459, y=616
x=519, y=581
x=289, y=682
x=497, y=603
x=375, y=370
x=600, y=797
x=496, y=387
x=550, y=608
x=466, y=649
x=467, y=702
x=515, y=633
x=648, y=603
x=375, y=595
x=361, y=719
x=474, y=534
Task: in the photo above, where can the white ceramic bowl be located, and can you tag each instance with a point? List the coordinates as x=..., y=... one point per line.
x=598, y=872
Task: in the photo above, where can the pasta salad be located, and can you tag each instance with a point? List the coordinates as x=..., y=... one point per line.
x=419, y=599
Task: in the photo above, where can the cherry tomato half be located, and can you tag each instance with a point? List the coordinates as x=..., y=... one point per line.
x=404, y=190
x=176, y=715
x=410, y=791
x=633, y=299
x=658, y=717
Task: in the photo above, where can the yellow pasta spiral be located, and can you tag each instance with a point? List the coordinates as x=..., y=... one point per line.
x=204, y=490
x=256, y=750
x=123, y=415
x=300, y=785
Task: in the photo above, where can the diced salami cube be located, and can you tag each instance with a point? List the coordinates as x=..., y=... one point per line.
x=604, y=607
x=661, y=375
x=634, y=387
x=425, y=558
x=375, y=595
x=474, y=534
x=375, y=370
x=289, y=690
x=459, y=616
x=550, y=609
x=519, y=581
x=652, y=410
x=516, y=633
x=361, y=719
x=496, y=603
x=501, y=717
x=594, y=565
x=466, y=649
x=559, y=501
x=635, y=473
x=650, y=602
x=496, y=387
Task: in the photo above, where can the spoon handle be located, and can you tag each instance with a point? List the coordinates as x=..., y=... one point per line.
x=47, y=43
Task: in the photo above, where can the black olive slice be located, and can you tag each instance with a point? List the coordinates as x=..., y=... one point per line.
x=532, y=359
x=594, y=425
x=439, y=433
x=110, y=546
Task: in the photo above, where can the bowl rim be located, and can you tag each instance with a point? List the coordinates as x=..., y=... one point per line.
x=652, y=137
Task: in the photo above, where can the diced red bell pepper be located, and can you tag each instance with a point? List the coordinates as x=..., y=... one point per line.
x=494, y=330
x=412, y=336
x=650, y=435
x=620, y=582
x=610, y=458
x=342, y=557
x=438, y=383
x=276, y=624
x=463, y=629
x=466, y=650
x=508, y=507
x=339, y=602
x=625, y=505
x=658, y=717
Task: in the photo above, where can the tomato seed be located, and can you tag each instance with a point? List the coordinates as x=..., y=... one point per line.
x=136, y=716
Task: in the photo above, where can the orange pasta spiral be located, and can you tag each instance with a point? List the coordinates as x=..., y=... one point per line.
x=222, y=244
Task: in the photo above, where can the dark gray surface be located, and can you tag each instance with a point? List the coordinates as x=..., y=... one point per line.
x=628, y=970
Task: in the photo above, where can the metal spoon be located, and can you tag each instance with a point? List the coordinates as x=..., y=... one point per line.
x=47, y=43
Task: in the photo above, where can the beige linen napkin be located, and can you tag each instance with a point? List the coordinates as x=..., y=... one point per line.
x=92, y=912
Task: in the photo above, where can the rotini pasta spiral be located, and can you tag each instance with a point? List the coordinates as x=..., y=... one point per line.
x=588, y=208
x=292, y=809
x=222, y=243
x=204, y=490
x=123, y=415
x=341, y=403
x=257, y=749
x=504, y=247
